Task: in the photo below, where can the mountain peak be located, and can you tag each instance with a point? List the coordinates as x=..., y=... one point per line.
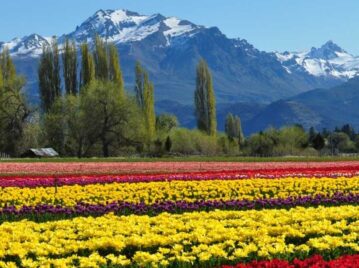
x=31, y=44
x=327, y=51
x=121, y=26
x=331, y=45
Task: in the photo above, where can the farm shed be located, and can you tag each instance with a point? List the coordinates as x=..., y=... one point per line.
x=40, y=152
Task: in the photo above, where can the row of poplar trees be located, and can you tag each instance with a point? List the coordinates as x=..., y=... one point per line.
x=85, y=104
x=84, y=86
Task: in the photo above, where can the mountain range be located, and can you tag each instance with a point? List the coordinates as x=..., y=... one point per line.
x=255, y=84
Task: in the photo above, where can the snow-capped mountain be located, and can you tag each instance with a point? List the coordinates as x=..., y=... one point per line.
x=121, y=26
x=329, y=60
x=30, y=45
x=170, y=48
x=116, y=26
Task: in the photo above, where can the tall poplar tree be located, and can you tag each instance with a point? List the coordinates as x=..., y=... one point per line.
x=238, y=130
x=87, y=66
x=7, y=66
x=45, y=73
x=139, y=84
x=144, y=90
x=69, y=60
x=49, y=76
x=233, y=128
x=56, y=80
x=115, y=73
x=205, y=102
x=1, y=78
x=149, y=107
x=230, y=126
x=101, y=60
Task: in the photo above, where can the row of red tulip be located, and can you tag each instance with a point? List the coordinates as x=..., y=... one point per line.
x=317, y=261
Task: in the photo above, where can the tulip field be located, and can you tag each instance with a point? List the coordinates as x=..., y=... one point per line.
x=189, y=214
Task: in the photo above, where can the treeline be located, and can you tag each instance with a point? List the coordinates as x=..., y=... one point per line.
x=294, y=140
x=86, y=111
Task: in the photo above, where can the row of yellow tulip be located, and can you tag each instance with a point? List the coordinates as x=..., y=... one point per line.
x=196, y=239
x=178, y=190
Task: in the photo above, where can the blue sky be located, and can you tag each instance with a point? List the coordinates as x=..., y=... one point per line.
x=267, y=24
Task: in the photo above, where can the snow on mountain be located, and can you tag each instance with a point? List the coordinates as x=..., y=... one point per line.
x=329, y=60
x=117, y=26
x=30, y=45
x=121, y=26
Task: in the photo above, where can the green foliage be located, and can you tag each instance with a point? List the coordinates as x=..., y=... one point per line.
x=56, y=67
x=205, y=102
x=14, y=110
x=54, y=126
x=101, y=59
x=115, y=73
x=64, y=126
x=96, y=122
x=7, y=67
x=349, y=130
x=112, y=121
x=139, y=84
x=1, y=78
x=185, y=141
x=49, y=76
x=260, y=144
x=290, y=140
x=165, y=123
x=318, y=142
x=340, y=142
x=69, y=59
x=87, y=66
x=168, y=144
x=233, y=128
x=227, y=146
x=144, y=90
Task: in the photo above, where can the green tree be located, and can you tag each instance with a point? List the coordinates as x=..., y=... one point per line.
x=229, y=126
x=56, y=80
x=101, y=59
x=349, y=130
x=233, y=128
x=1, y=78
x=54, y=124
x=139, y=84
x=318, y=142
x=144, y=90
x=49, y=76
x=87, y=66
x=112, y=121
x=115, y=73
x=238, y=128
x=168, y=144
x=340, y=142
x=261, y=144
x=7, y=66
x=165, y=123
x=14, y=110
x=69, y=59
x=65, y=127
x=205, y=102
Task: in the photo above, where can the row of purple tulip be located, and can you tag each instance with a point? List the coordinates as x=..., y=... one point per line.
x=46, y=212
